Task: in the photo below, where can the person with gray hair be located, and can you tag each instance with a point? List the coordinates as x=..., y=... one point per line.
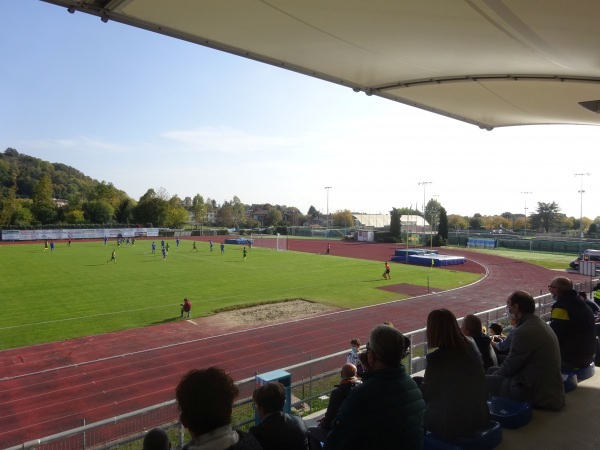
x=574, y=324
x=531, y=370
x=387, y=410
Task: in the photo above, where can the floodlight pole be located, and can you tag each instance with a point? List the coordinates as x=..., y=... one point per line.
x=525, y=230
x=424, y=184
x=327, y=218
x=581, y=191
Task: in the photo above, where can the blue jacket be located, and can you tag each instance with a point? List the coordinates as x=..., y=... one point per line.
x=385, y=412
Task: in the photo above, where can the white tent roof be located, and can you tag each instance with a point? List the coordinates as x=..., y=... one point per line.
x=491, y=63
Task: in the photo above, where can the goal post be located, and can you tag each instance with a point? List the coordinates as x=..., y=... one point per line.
x=275, y=242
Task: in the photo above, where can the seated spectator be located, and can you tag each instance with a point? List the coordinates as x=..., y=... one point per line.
x=471, y=327
x=338, y=395
x=595, y=308
x=352, y=357
x=497, y=329
x=454, y=383
x=574, y=325
x=156, y=439
x=186, y=307
x=362, y=356
x=531, y=371
x=205, y=399
x=597, y=294
x=277, y=430
x=386, y=411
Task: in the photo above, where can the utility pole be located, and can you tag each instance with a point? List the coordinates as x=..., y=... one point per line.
x=525, y=230
x=581, y=191
x=424, y=184
x=327, y=218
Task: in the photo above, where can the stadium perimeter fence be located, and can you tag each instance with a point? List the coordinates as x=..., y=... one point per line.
x=312, y=382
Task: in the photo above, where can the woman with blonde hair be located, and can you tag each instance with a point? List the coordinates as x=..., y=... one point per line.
x=454, y=383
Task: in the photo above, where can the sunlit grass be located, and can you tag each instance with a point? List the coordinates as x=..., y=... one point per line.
x=76, y=291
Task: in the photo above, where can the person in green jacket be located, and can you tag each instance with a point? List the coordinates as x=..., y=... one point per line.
x=387, y=410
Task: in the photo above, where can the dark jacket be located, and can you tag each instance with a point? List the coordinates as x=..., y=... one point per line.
x=385, y=412
x=455, y=392
x=484, y=345
x=574, y=325
x=246, y=442
x=338, y=395
x=531, y=371
x=279, y=431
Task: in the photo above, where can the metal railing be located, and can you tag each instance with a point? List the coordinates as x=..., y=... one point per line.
x=312, y=380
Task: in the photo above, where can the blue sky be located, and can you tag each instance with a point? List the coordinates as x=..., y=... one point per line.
x=144, y=111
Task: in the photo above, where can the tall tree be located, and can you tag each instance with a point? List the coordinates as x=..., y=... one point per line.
x=312, y=212
x=43, y=208
x=124, y=212
x=395, y=225
x=443, y=228
x=432, y=212
x=342, y=219
x=238, y=209
x=198, y=208
x=98, y=211
x=151, y=210
x=546, y=214
x=9, y=205
x=274, y=217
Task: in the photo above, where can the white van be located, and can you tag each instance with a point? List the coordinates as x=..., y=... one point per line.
x=587, y=255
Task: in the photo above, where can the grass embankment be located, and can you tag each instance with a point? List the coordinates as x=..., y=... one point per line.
x=547, y=260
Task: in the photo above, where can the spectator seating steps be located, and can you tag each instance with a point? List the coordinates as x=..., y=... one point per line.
x=481, y=440
x=586, y=372
x=569, y=381
x=509, y=413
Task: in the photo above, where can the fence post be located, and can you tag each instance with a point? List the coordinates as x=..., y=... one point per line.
x=181, y=435
x=83, y=437
x=311, y=382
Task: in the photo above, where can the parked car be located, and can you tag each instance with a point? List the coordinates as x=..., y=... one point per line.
x=587, y=255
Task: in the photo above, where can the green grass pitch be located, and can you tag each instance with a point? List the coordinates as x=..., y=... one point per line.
x=73, y=291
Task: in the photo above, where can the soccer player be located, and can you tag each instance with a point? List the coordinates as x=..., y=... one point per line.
x=222, y=247
x=211, y=245
x=245, y=252
x=386, y=272
x=113, y=256
x=153, y=247
x=51, y=246
x=177, y=242
x=164, y=253
x=194, y=247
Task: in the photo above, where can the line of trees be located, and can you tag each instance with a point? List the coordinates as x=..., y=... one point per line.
x=30, y=187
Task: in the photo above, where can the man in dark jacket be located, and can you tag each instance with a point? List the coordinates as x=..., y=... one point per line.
x=531, y=371
x=338, y=395
x=277, y=430
x=387, y=410
x=574, y=325
x=205, y=399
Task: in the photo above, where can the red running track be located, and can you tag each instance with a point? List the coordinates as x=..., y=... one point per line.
x=50, y=388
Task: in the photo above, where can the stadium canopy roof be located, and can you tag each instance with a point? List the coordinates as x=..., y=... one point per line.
x=491, y=63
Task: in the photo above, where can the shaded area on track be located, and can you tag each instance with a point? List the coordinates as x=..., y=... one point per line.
x=52, y=387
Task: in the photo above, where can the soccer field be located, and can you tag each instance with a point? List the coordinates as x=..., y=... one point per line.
x=77, y=291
